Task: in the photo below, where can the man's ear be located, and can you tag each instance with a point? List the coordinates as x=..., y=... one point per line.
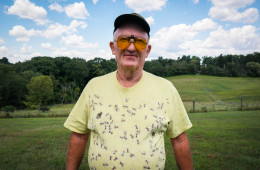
x=148, y=50
x=112, y=47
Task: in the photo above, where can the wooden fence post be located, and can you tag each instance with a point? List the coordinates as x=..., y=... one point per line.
x=193, y=106
x=241, y=103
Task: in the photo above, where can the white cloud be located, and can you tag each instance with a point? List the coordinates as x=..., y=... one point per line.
x=20, y=31
x=95, y=1
x=145, y=5
x=2, y=50
x=25, y=53
x=204, y=25
x=150, y=20
x=74, y=24
x=47, y=46
x=28, y=10
x=2, y=41
x=82, y=54
x=181, y=39
x=76, y=10
x=26, y=49
x=56, y=7
x=70, y=53
x=56, y=30
x=77, y=41
x=170, y=38
x=195, y=1
x=231, y=11
x=23, y=34
x=23, y=39
x=241, y=38
x=52, y=31
x=232, y=3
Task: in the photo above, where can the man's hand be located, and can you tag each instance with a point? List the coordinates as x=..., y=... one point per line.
x=181, y=149
x=76, y=150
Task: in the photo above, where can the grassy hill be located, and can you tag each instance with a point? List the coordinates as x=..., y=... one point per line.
x=208, y=88
x=213, y=93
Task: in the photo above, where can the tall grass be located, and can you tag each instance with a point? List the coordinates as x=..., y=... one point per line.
x=55, y=111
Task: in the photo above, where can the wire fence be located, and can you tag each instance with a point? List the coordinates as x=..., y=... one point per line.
x=241, y=103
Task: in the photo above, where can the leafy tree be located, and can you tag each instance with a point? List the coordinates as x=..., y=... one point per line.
x=61, y=73
x=4, y=60
x=77, y=71
x=44, y=65
x=253, y=69
x=12, y=86
x=40, y=91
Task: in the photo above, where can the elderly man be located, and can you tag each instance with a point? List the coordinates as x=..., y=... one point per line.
x=126, y=112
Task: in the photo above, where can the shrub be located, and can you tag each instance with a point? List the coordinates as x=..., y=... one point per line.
x=7, y=109
x=204, y=109
x=44, y=108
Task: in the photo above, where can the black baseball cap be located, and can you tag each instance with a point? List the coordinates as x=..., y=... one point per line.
x=132, y=18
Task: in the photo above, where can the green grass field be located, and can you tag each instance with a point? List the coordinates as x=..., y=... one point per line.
x=208, y=88
x=213, y=93
x=219, y=140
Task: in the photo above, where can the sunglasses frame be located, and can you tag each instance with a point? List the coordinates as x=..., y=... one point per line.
x=129, y=42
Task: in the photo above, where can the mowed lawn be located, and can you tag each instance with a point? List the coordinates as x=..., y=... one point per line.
x=219, y=140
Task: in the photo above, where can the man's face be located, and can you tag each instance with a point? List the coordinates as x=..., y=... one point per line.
x=130, y=57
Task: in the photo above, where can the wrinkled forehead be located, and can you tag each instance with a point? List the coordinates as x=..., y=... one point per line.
x=131, y=29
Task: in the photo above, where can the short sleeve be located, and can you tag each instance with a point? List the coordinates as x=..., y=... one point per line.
x=179, y=120
x=77, y=120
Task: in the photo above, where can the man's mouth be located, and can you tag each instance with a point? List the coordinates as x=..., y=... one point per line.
x=129, y=55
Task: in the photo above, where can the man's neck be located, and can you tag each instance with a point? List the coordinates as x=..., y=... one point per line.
x=128, y=78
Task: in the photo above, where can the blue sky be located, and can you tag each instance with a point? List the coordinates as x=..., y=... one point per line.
x=84, y=28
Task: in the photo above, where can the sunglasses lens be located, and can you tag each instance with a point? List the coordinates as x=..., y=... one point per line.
x=122, y=42
x=140, y=44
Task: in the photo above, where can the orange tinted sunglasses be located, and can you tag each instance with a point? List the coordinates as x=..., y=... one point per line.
x=124, y=42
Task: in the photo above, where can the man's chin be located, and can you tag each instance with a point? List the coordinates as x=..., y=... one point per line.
x=130, y=64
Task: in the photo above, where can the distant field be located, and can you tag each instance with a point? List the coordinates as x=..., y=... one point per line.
x=217, y=93
x=219, y=140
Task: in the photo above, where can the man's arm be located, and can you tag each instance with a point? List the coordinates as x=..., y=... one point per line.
x=181, y=149
x=76, y=150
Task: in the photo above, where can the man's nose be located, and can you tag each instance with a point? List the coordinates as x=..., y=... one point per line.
x=131, y=46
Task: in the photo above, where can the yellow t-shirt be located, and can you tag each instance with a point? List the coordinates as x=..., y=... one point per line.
x=127, y=125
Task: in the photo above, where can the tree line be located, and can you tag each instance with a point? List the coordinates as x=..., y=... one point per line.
x=45, y=80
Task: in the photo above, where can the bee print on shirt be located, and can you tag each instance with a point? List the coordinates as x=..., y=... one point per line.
x=114, y=117
x=99, y=115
